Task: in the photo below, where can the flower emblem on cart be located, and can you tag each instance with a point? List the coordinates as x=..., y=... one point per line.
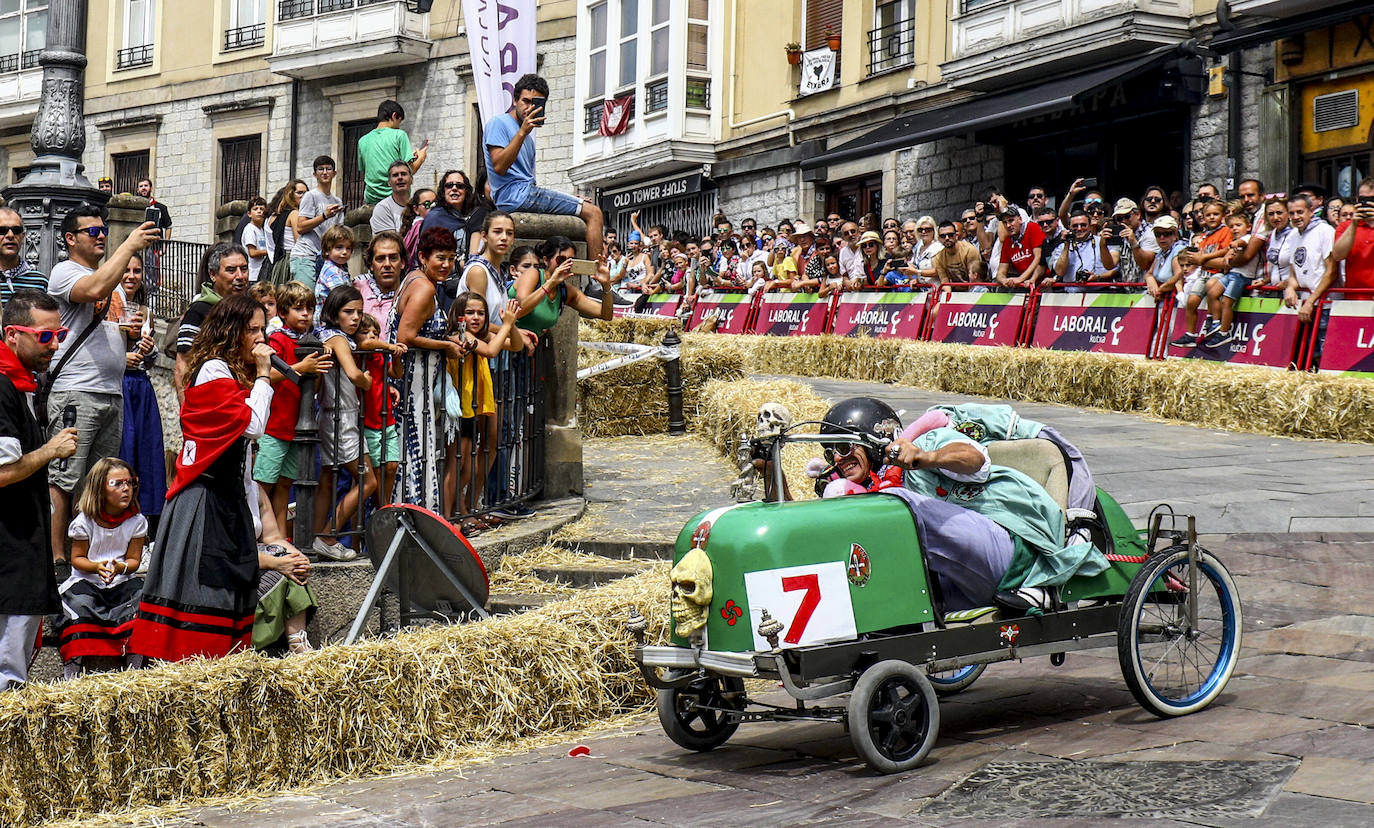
x=1009, y=633
x=731, y=612
x=859, y=566
x=972, y=430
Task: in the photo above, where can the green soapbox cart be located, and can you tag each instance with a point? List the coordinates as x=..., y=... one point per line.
x=834, y=596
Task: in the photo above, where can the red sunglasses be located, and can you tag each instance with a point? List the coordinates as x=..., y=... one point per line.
x=43, y=335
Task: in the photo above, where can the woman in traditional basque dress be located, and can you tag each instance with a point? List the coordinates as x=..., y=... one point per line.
x=200, y=593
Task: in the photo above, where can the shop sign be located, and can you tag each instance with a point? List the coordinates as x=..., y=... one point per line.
x=978, y=318
x=1109, y=323
x=1266, y=334
x=789, y=314
x=654, y=191
x=880, y=314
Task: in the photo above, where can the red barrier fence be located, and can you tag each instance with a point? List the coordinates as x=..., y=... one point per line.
x=1116, y=319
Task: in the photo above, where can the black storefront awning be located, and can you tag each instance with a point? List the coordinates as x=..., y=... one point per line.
x=986, y=111
x=1272, y=30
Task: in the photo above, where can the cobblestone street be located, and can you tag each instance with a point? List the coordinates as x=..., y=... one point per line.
x=1029, y=744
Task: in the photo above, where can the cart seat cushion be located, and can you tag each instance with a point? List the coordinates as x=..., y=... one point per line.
x=1038, y=459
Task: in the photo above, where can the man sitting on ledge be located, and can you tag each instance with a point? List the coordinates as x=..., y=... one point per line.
x=510, y=163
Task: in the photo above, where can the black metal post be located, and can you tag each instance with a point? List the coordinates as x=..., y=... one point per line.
x=677, y=426
x=307, y=438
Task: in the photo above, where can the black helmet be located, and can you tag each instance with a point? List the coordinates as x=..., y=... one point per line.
x=860, y=415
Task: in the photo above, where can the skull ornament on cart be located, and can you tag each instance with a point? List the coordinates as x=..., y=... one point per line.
x=692, y=592
x=772, y=419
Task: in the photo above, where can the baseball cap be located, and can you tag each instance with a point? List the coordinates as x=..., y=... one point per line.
x=1124, y=206
x=1165, y=223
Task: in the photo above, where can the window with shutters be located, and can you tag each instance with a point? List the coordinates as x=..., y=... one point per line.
x=820, y=16
x=129, y=167
x=350, y=133
x=240, y=168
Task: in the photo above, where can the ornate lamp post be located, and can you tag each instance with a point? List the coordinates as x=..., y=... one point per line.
x=55, y=182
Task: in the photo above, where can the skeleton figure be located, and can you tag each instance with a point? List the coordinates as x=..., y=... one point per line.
x=692, y=592
x=770, y=422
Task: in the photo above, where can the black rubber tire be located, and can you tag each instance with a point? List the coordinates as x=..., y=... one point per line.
x=695, y=728
x=1175, y=665
x=894, y=716
x=957, y=681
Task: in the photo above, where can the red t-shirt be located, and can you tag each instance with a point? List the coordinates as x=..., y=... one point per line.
x=1020, y=252
x=1218, y=239
x=1359, y=265
x=374, y=397
x=286, y=395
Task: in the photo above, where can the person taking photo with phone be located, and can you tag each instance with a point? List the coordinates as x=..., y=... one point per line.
x=510, y=144
x=1354, y=243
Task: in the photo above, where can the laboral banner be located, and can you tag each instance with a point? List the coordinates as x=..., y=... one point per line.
x=1349, y=343
x=501, y=41
x=659, y=304
x=978, y=318
x=1110, y=323
x=1266, y=334
x=785, y=314
x=882, y=315
x=730, y=310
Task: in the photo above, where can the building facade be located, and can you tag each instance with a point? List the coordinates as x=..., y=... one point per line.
x=220, y=100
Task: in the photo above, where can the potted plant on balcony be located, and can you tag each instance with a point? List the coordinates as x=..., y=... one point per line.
x=793, y=52
x=832, y=39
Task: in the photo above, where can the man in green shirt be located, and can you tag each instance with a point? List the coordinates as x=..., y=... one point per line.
x=384, y=145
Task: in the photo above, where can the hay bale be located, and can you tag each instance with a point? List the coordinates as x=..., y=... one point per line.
x=633, y=399
x=248, y=724
x=641, y=330
x=728, y=408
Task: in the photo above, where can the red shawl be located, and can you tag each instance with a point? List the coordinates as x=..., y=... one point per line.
x=213, y=415
x=11, y=367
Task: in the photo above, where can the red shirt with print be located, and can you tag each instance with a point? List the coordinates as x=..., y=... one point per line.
x=286, y=395
x=1020, y=252
x=1359, y=265
x=375, y=398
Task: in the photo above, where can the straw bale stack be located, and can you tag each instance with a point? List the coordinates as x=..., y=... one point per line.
x=247, y=723
x=729, y=407
x=634, y=399
x=641, y=330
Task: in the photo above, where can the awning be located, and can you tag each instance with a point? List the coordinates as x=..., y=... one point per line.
x=985, y=111
x=1272, y=30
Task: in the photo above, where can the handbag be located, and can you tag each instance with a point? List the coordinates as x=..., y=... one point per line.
x=446, y=397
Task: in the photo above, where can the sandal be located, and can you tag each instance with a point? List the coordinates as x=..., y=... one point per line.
x=492, y=521
x=472, y=526
x=299, y=643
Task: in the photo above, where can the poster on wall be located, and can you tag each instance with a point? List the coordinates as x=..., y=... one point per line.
x=817, y=71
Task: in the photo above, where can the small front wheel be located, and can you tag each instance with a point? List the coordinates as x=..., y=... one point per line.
x=697, y=715
x=949, y=682
x=894, y=716
x=1178, y=649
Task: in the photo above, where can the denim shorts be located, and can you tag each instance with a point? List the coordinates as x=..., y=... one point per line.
x=549, y=202
x=1233, y=284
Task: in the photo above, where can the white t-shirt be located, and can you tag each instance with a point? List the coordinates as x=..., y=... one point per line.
x=1308, y=250
x=261, y=239
x=1278, y=257
x=386, y=215
x=98, y=366
x=106, y=544
x=1251, y=268
x=314, y=204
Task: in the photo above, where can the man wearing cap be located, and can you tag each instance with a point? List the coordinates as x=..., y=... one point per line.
x=1132, y=251
x=1317, y=194
x=1160, y=277
x=1020, y=265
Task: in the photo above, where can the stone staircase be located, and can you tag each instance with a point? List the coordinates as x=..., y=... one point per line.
x=573, y=577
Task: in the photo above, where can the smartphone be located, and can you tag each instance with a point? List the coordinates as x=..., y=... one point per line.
x=540, y=104
x=151, y=213
x=583, y=267
x=1090, y=183
x=1366, y=201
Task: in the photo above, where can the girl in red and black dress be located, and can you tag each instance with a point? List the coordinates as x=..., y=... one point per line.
x=200, y=593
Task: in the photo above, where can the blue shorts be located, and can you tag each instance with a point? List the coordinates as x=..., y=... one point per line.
x=1233, y=284
x=549, y=202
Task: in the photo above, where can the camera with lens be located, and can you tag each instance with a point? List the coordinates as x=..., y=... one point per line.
x=1082, y=275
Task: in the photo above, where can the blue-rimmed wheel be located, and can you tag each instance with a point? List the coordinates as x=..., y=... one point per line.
x=698, y=716
x=1178, y=639
x=949, y=682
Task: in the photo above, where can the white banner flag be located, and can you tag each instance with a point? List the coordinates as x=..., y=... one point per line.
x=817, y=71
x=501, y=41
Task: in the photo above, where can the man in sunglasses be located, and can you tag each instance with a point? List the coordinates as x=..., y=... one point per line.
x=15, y=273
x=88, y=373
x=386, y=214
x=32, y=332
x=957, y=261
x=851, y=258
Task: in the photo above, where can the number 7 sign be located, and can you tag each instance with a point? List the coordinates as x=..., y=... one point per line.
x=811, y=602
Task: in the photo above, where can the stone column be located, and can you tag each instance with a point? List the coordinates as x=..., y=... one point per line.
x=56, y=183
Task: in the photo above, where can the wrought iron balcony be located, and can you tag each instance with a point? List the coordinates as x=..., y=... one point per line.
x=244, y=37
x=891, y=46
x=134, y=56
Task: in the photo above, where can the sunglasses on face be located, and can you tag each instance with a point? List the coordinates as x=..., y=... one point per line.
x=870, y=244
x=749, y=227
x=949, y=235
x=1049, y=222
x=1099, y=211
x=925, y=229
x=1036, y=195
x=11, y=230
x=834, y=455
x=1153, y=198
x=455, y=185
x=850, y=232
x=94, y=232
x=427, y=203
x=44, y=335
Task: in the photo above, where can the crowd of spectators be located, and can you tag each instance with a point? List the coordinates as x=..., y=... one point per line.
x=1205, y=250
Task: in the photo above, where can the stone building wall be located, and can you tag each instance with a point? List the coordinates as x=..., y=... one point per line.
x=768, y=196
x=944, y=177
x=1207, y=163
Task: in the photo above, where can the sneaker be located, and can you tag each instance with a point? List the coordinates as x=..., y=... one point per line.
x=1210, y=328
x=1186, y=341
x=518, y=511
x=1220, y=338
x=333, y=551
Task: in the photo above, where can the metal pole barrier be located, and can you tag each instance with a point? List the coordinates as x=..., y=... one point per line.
x=307, y=438
x=677, y=426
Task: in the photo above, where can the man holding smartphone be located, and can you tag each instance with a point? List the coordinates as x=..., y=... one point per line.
x=1354, y=242
x=510, y=163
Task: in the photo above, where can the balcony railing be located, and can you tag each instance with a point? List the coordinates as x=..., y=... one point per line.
x=892, y=46
x=593, y=116
x=656, y=96
x=243, y=37
x=30, y=60
x=295, y=9
x=134, y=56
x=9, y=63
